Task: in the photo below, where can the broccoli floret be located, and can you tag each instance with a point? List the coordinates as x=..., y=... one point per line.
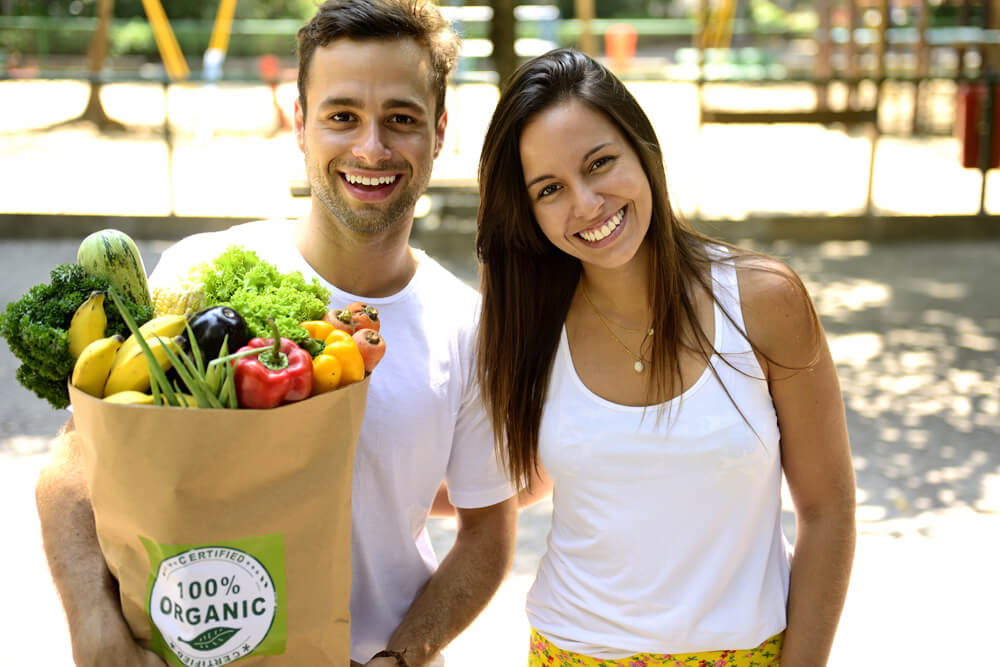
x=35, y=329
x=238, y=278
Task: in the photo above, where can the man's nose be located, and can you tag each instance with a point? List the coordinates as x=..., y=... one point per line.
x=370, y=146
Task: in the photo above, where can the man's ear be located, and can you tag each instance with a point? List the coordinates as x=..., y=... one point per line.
x=299, y=126
x=439, y=133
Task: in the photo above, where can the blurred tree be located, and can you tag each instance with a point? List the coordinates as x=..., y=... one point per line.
x=503, y=35
x=94, y=111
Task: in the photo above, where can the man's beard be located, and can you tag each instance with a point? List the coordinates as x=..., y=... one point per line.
x=368, y=218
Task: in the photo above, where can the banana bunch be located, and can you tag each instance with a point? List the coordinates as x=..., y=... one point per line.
x=113, y=367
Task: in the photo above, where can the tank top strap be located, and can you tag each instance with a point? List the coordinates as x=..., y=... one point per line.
x=726, y=290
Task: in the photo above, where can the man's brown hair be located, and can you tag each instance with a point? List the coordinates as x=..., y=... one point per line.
x=381, y=19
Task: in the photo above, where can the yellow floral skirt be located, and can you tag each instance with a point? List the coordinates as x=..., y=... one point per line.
x=544, y=654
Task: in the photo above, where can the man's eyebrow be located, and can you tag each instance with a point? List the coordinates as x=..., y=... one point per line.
x=586, y=156
x=355, y=103
x=402, y=103
x=342, y=102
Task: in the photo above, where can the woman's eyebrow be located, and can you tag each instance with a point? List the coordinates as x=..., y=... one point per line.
x=586, y=156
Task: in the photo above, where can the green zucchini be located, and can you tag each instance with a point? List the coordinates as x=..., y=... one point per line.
x=112, y=255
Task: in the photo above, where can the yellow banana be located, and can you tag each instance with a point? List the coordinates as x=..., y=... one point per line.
x=132, y=374
x=88, y=324
x=186, y=400
x=164, y=326
x=90, y=372
x=130, y=398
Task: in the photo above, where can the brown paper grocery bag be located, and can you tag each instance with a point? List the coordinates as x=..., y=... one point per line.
x=228, y=530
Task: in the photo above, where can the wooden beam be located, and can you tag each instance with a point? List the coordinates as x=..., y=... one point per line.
x=824, y=52
x=849, y=117
x=585, y=13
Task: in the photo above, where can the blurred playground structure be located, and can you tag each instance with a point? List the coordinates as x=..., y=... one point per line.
x=855, y=110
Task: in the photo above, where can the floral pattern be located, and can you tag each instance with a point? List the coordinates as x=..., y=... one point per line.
x=543, y=653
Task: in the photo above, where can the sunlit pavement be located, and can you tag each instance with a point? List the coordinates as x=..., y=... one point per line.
x=914, y=328
x=225, y=161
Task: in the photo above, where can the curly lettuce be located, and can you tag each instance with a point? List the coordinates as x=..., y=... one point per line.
x=240, y=279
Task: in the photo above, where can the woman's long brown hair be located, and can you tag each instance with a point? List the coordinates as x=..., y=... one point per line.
x=527, y=283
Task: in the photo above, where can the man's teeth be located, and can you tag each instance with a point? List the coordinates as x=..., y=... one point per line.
x=594, y=235
x=366, y=180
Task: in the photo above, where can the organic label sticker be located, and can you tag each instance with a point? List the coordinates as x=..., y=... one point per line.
x=213, y=604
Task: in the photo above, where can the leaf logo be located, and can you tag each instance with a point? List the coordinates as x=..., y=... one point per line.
x=211, y=639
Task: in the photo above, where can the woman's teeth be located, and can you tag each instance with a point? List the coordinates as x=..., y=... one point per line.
x=370, y=181
x=594, y=235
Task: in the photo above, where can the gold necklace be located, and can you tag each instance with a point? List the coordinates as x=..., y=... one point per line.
x=640, y=363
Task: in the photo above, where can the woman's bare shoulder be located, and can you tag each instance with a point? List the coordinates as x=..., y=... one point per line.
x=777, y=310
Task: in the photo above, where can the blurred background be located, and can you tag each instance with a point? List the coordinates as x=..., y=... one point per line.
x=767, y=109
x=854, y=139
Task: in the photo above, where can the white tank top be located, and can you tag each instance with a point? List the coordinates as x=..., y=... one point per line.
x=666, y=534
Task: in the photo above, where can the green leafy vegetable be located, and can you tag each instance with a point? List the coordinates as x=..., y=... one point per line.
x=257, y=290
x=35, y=328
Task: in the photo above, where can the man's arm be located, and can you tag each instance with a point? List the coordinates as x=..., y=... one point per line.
x=461, y=587
x=540, y=489
x=98, y=631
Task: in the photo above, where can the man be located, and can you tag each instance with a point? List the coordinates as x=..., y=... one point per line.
x=370, y=120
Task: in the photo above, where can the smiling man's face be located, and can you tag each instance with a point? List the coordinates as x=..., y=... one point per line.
x=370, y=135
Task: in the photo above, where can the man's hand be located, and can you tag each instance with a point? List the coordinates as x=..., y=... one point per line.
x=104, y=640
x=461, y=587
x=98, y=632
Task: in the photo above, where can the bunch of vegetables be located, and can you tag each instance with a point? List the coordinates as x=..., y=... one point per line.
x=42, y=327
x=262, y=373
x=234, y=333
x=351, y=346
x=238, y=278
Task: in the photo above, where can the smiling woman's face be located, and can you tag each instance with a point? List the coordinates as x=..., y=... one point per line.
x=587, y=188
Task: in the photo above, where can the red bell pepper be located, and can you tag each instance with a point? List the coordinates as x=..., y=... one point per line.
x=277, y=375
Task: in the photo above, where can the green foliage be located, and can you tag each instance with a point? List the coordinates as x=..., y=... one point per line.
x=257, y=290
x=613, y=9
x=35, y=328
x=132, y=37
x=175, y=9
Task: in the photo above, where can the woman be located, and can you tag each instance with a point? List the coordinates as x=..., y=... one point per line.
x=660, y=382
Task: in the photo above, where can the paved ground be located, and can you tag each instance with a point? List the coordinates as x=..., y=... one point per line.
x=915, y=329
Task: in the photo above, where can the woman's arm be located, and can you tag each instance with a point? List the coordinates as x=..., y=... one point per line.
x=815, y=456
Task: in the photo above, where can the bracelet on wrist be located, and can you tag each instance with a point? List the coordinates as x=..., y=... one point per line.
x=398, y=655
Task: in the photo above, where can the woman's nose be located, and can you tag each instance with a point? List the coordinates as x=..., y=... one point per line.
x=587, y=203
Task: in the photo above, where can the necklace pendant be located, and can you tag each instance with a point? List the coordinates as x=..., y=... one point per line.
x=639, y=366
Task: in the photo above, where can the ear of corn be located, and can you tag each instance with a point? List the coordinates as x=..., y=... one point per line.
x=185, y=296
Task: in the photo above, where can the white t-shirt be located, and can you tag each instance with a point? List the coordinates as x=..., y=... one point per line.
x=424, y=423
x=666, y=536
